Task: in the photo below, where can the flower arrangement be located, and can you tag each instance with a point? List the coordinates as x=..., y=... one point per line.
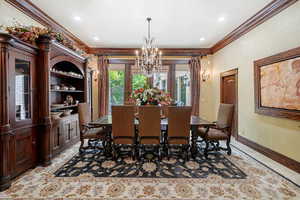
x=150, y=96
x=31, y=34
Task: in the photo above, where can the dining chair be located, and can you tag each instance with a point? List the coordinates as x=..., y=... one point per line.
x=221, y=130
x=149, y=129
x=178, y=131
x=89, y=131
x=123, y=130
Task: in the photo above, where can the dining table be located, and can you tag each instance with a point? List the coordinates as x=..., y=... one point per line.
x=195, y=123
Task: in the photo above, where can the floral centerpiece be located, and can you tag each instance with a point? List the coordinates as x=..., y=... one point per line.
x=150, y=96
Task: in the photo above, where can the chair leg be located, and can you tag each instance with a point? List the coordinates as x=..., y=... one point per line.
x=81, y=145
x=206, y=149
x=228, y=147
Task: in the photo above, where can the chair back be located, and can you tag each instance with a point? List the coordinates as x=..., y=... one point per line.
x=84, y=115
x=149, y=124
x=165, y=110
x=179, y=121
x=225, y=115
x=123, y=131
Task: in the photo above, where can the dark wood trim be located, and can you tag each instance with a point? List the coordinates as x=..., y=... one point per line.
x=172, y=80
x=31, y=10
x=282, y=159
x=132, y=61
x=127, y=84
x=236, y=109
x=166, y=51
x=273, y=8
x=274, y=112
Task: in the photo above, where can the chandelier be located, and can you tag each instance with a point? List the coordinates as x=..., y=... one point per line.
x=149, y=59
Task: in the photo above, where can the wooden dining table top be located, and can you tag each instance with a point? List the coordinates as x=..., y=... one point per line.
x=195, y=121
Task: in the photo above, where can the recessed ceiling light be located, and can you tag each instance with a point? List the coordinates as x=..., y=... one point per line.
x=96, y=38
x=77, y=18
x=202, y=39
x=221, y=19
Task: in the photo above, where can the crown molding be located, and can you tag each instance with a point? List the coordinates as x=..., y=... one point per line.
x=31, y=10
x=273, y=8
x=166, y=51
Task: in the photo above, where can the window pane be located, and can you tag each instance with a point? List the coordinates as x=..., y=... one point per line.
x=182, y=87
x=116, y=87
x=138, y=81
x=160, y=80
x=22, y=88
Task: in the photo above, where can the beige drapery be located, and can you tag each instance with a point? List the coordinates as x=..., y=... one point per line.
x=195, y=71
x=103, y=86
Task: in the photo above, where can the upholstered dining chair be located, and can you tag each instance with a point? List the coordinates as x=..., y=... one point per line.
x=221, y=130
x=178, y=133
x=89, y=131
x=149, y=134
x=123, y=130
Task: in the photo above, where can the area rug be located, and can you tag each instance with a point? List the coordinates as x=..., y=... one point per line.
x=260, y=183
x=94, y=162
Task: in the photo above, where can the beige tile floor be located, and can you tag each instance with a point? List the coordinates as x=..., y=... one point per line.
x=277, y=167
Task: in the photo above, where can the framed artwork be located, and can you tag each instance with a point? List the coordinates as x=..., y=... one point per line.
x=277, y=85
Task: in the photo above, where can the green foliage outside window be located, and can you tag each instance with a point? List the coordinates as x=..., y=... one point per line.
x=138, y=81
x=116, y=86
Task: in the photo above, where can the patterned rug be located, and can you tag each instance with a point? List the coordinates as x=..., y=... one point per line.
x=99, y=165
x=260, y=183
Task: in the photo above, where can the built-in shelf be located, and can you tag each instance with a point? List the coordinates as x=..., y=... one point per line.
x=63, y=107
x=67, y=91
x=62, y=74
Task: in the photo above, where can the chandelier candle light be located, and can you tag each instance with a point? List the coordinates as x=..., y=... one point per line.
x=150, y=59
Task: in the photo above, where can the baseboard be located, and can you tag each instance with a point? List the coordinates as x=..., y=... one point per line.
x=282, y=159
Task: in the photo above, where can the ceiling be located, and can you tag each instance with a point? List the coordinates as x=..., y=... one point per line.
x=175, y=23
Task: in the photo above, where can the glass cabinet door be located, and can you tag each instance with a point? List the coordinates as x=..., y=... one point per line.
x=22, y=90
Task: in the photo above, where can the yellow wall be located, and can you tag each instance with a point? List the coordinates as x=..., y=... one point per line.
x=9, y=14
x=278, y=34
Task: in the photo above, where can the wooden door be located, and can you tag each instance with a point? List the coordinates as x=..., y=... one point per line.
x=229, y=94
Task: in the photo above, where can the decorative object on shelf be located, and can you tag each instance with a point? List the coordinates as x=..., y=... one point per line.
x=55, y=87
x=56, y=115
x=31, y=34
x=67, y=112
x=150, y=59
x=57, y=105
x=69, y=100
x=150, y=96
x=74, y=74
x=64, y=87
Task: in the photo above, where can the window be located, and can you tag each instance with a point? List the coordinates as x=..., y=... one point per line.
x=160, y=80
x=138, y=81
x=182, y=86
x=116, y=85
x=22, y=89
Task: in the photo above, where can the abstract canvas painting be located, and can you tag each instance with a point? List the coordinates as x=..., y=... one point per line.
x=280, y=85
x=277, y=85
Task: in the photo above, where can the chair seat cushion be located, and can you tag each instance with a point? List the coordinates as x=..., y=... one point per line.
x=213, y=134
x=94, y=133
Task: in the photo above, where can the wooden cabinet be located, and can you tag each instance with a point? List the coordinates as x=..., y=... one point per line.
x=65, y=132
x=28, y=135
x=19, y=108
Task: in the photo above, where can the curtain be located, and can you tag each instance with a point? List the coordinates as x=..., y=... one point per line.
x=103, y=86
x=195, y=69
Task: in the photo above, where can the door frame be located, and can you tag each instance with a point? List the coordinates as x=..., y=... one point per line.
x=225, y=74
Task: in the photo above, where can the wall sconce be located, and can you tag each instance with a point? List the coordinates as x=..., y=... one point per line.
x=205, y=75
x=95, y=74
